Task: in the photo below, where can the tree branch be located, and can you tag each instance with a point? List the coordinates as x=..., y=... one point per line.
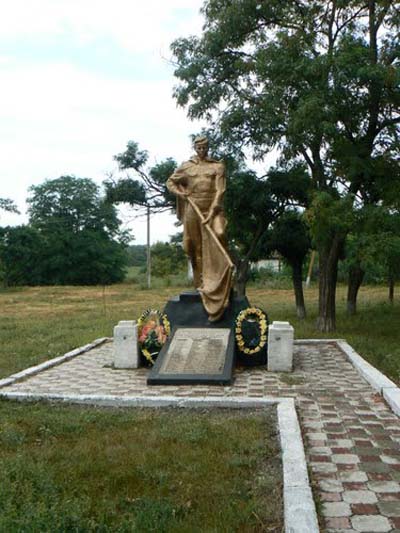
x=308, y=159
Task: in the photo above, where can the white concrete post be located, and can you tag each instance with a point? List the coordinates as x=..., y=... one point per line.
x=280, y=347
x=126, y=352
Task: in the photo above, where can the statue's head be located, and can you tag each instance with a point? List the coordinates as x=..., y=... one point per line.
x=201, y=146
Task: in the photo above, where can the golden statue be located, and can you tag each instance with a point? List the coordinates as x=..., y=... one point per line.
x=199, y=185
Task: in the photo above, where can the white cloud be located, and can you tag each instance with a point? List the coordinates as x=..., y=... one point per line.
x=135, y=25
x=57, y=119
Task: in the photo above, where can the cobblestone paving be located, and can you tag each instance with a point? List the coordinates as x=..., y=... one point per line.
x=351, y=436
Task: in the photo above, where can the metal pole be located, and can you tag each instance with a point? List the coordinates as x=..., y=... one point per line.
x=148, y=250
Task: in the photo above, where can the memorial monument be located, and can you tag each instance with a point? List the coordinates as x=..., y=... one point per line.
x=206, y=322
x=201, y=348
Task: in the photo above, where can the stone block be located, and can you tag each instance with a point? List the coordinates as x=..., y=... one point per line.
x=359, y=496
x=370, y=523
x=280, y=347
x=126, y=352
x=299, y=510
x=392, y=396
x=336, y=509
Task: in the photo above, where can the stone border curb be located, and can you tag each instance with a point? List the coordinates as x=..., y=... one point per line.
x=375, y=378
x=315, y=341
x=300, y=515
x=299, y=506
x=31, y=371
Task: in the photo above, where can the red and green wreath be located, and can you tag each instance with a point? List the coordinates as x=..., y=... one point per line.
x=153, y=332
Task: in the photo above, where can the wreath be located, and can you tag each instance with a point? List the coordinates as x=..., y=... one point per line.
x=253, y=341
x=153, y=331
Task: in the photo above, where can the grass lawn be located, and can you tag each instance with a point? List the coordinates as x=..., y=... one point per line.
x=81, y=469
x=38, y=323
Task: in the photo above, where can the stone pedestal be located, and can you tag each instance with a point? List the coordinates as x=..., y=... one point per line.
x=280, y=347
x=186, y=310
x=194, y=353
x=126, y=352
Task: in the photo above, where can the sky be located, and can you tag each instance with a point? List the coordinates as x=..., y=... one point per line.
x=78, y=79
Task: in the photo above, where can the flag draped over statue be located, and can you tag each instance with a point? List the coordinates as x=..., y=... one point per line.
x=199, y=185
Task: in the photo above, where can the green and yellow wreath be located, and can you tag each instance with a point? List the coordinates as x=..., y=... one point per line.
x=255, y=339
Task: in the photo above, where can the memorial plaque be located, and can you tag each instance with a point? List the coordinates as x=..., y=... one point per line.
x=195, y=355
x=196, y=351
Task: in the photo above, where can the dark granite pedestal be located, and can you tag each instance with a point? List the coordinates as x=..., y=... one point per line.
x=187, y=310
x=198, y=351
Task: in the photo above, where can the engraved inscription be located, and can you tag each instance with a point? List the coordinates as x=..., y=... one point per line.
x=196, y=351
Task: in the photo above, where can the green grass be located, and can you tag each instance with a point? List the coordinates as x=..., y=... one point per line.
x=138, y=277
x=113, y=470
x=41, y=322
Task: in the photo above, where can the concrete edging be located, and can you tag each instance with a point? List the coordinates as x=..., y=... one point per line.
x=31, y=371
x=382, y=384
x=315, y=341
x=299, y=506
x=300, y=514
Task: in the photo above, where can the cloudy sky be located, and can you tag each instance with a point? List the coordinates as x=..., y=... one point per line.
x=78, y=79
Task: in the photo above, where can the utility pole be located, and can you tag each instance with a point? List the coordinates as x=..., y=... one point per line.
x=148, y=250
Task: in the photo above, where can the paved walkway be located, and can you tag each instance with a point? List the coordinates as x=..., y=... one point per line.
x=351, y=436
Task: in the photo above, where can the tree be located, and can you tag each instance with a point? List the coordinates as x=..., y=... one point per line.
x=386, y=246
x=71, y=204
x=356, y=270
x=21, y=255
x=317, y=80
x=80, y=238
x=136, y=255
x=290, y=237
x=168, y=258
x=255, y=203
x=373, y=245
x=146, y=187
x=360, y=253
x=8, y=205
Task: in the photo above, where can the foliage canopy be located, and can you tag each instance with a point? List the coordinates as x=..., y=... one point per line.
x=73, y=238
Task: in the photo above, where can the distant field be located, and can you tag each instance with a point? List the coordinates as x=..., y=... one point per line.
x=37, y=323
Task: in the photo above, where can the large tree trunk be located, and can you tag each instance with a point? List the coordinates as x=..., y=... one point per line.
x=356, y=276
x=328, y=266
x=391, y=289
x=242, y=270
x=298, y=289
